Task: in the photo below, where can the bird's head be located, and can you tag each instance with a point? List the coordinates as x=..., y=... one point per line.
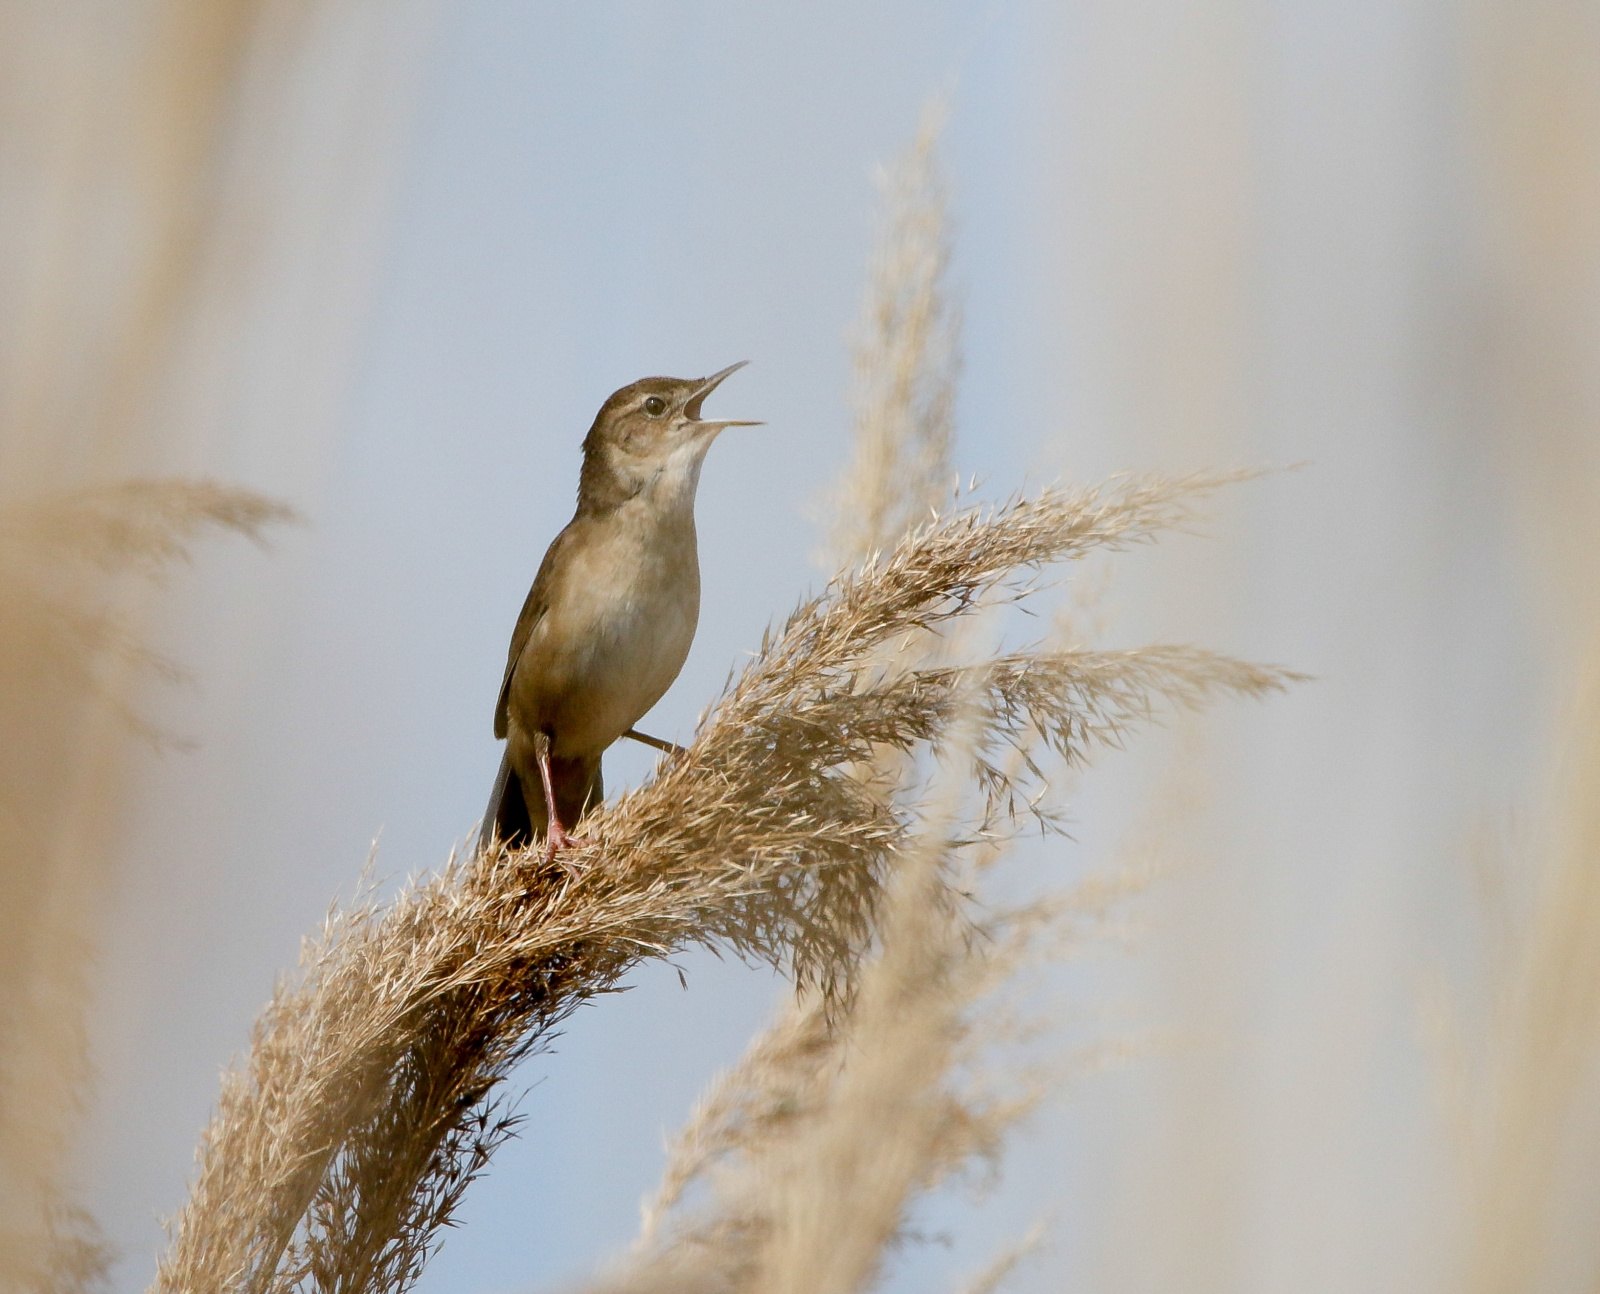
x=650, y=437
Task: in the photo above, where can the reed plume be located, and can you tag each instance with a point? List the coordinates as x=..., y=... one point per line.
x=777, y=1140
x=1526, y=1149
x=906, y=357
x=371, y=1096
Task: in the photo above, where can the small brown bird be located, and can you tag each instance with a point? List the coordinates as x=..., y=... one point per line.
x=608, y=622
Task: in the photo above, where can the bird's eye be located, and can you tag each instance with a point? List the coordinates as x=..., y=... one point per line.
x=655, y=406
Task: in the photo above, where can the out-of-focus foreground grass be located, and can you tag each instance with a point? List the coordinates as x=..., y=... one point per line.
x=143, y=199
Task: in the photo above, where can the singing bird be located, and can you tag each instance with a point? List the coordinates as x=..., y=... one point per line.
x=608, y=622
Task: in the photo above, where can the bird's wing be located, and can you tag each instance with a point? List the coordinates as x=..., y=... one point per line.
x=533, y=608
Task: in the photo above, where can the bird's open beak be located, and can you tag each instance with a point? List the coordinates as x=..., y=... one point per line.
x=691, y=406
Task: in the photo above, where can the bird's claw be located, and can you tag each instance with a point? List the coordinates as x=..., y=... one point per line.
x=557, y=839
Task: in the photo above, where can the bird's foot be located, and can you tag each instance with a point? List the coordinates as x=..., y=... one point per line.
x=557, y=839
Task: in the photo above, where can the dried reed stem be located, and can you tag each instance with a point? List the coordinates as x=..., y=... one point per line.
x=1530, y=1178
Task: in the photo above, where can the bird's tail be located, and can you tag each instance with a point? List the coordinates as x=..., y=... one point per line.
x=506, y=818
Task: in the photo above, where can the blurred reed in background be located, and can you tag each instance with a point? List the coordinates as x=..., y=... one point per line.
x=125, y=266
x=906, y=361
x=111, y=117
x=1529, y=1132
x=1282, y=1145
x=71, y=664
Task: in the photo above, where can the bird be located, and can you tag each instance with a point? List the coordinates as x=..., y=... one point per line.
x=612, y=612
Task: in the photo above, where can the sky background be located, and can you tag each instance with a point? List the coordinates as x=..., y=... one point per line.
x=1186, y=236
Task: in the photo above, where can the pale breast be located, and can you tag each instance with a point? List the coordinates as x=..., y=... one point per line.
x=617, y=631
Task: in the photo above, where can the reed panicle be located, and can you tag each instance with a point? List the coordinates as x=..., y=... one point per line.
x=907, y=359
x=765, y=1141
x=813, y=1146
x=369, y=1100
x=1529, y=1135
x=144, y=526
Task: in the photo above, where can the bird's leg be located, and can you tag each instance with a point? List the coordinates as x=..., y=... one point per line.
x=665, y=747
x=555, y=835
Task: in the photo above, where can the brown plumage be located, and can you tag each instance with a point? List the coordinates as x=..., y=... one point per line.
x=608, y=622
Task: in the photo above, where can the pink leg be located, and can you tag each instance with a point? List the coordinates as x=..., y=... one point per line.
x=555, y=836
